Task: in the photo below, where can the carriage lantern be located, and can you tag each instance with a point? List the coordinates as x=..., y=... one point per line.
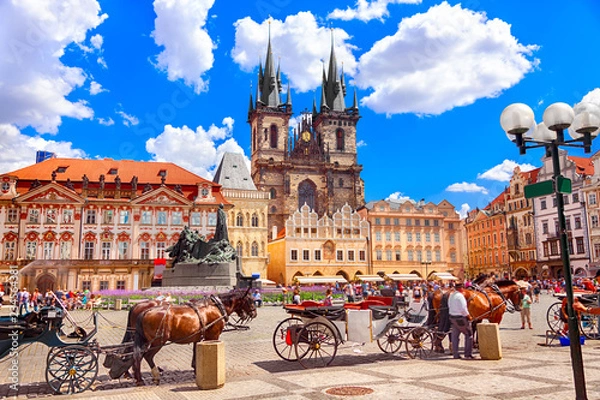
x=582, y=123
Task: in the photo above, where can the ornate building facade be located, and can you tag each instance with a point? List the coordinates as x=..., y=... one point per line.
x=247, y=220
x=312, y=246
x=317, y=165
x=414, y=237
x=99, y=224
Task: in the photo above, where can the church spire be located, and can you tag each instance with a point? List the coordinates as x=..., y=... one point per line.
x=334, y=86
x=270, y=85
x=288, y=102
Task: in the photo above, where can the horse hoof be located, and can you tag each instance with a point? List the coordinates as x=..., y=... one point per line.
x=139, y=383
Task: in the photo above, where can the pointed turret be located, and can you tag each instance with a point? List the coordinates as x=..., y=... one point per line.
x=314, y=110
x=269, y=87
x=250, y=105
x=355, y=102
x=288, y=102
x=334, y=86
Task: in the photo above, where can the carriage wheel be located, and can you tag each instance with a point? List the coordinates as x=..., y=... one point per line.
x=553, y=317
x=589, y=325
x=71, y=369
x=283, y=340
x=419, y=343
x=392, y=340
x=316, y=345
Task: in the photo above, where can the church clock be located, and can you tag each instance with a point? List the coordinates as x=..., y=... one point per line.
x=306, y=136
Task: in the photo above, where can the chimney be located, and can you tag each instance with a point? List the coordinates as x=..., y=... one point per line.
x=274, y=233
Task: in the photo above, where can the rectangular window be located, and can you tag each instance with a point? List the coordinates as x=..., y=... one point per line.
x=596, y=250
x=408, y=222
x=144, y=250
x=592, y=198
x=388, y=236
x=294, y=255
x=438, y=256
x=451, y=238
x=565, y=198
x=161, y=218
x=428, y=237
x=388, y=221
x=436, y=222
x=545, y=227
x=86, y=285
x=48, y=250
x=123, y=217
x=123, y=248
x=388, y=255
x=397, y=236
x=378, y=255
x=212, y=219
x=12, y=215
x=177, y=217
x=410, y=255
x=451, y=225
x=120, y=285
x=65, y=250
x=580, y=246
x=396, y=221
x=577, y=222
x=9, y=251
x=34, y=216
x=362, y=255
x=161, y=247
x=546, y=251
x=195, y=219
x=51, y=216
x=575, y=197
x=543, y=204
x=417, y=222
x=146, y=217
x=103, y=285
x=31, y=250
x=418, y=236
x=377, y=221
x=106, y=250
x=305, y=255
x=378, y=236
x=88, y=250
x=426, y=222
x=317, y=255
x=108, y=216
x=398, y=255
x=453, y=257
x=67, y=216
x=90, y=217
x=408, y=236
x=350, y=255
x=594, y=221
x=339, y=255
x=554, y=248
x=436, y=237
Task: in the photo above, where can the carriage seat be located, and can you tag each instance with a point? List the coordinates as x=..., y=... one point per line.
x=312, y=309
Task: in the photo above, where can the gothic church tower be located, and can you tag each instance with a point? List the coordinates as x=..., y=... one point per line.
x=315, y=163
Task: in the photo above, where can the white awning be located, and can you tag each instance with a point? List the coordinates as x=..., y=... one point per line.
x=445, y=276
x=370, y=278
x=404, y=277
x=265, y=282
x=302, y=280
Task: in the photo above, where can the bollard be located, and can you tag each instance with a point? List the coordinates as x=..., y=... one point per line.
x=210, y=364
x=490, y=347
x=118, y=304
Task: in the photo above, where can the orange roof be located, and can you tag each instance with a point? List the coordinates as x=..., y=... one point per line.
x=532, y=175
x=584, y=166
x=74, y=169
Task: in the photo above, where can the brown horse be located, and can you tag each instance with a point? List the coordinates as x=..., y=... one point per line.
x=182, y=324
x=489, y=302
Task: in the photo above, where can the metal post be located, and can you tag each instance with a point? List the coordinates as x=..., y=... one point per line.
x=575, y=345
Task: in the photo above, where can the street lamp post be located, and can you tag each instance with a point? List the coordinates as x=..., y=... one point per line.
x=426, y=263
x=582, y=123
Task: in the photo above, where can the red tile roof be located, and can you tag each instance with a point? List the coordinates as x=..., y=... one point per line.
x=584, y=165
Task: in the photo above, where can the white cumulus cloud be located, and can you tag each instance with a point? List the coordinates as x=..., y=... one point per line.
x=179, y=27
x=466, y=187
x=96, y=88
x=18, y=150
x=504, y=171
x=446, y=57
x=106, y=121
x=299, y=37
x=197, y=150
x=128, y=119
x=399, y=197
x=365, y=10
x=34, y=83
x=464, y=210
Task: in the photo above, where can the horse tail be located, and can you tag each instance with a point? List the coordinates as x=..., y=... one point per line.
x=139, y=339
x=127, y=337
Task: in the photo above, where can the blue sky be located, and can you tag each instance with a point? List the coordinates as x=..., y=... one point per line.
x=169, y=80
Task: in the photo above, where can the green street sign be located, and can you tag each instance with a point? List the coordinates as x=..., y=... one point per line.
x=547, y=187
x=564, y=185
x=539, y=189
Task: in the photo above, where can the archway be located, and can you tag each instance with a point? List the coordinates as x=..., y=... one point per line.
x=307, y=194
x=521, y=274
x=45, y=282
x=344, y=274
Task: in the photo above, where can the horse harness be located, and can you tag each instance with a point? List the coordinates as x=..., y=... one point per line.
x=509, y=305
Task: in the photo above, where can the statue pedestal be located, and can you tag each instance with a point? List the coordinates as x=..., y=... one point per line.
x=206, y=274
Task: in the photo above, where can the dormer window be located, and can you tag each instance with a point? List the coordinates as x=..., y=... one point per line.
x=204, y=192
x=113, y=171
x=162, y=173
x=61, y=170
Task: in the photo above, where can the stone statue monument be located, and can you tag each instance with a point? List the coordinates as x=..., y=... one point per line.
x=198, y=262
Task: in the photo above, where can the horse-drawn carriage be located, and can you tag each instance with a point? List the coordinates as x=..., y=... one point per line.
x=584, y=302
x=314, y=332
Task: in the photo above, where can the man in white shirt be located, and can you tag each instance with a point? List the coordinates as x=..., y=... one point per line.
x=460, y=321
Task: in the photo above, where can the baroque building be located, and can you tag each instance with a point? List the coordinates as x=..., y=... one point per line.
x=317, y=164
x=247, y=220
x=313, y=246
x=421, y=238
x=99, y=224
x=520, y=233
x=591, y=208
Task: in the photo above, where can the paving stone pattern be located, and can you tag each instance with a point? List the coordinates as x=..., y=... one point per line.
x=254, y=371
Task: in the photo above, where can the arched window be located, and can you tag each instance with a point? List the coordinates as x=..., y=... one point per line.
x=339, y=139
x=255, y=220
x=239, y=220
x=273, y=137
x=273, y=193
x=341, y=182
x=273, y=210
x=254, y=249
x=239, y=249
x=307, y=194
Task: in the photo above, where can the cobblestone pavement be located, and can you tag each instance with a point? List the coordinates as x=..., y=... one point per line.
x=254, y=371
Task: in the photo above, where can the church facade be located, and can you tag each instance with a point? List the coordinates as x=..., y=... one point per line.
x=314, y=163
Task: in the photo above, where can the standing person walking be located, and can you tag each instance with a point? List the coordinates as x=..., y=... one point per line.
x=525, y=309
x=460, y=321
